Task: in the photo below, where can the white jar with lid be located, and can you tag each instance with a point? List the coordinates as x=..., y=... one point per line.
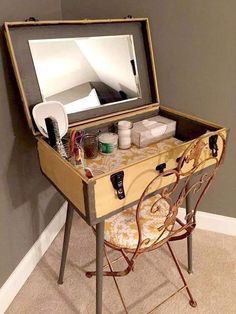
x=107, y=143
x=124, y=134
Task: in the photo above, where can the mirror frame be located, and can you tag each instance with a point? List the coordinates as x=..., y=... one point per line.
x=17, y=33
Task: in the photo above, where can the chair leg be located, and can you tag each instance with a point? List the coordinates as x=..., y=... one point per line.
x=115, y=281
x=192, y=302
x=69, y=218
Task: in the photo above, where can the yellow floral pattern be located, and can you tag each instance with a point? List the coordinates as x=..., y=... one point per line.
x=120, y=158
x=121, y=229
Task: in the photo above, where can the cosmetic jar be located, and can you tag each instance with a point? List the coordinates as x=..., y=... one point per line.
x=124, y=134
x=90, y=145
x=107, y=143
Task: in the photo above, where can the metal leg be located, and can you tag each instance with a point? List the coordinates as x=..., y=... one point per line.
x=69, y=218
x=99, y=265
x=189, y=242
x=190, y=254
x=192, y=302
x=115, y=281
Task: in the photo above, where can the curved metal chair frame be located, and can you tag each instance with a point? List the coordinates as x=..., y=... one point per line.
x=195, y=158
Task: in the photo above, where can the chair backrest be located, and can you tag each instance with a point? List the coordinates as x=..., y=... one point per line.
x=192, y=176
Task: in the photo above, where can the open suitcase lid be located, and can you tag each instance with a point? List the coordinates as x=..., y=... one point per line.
x=115, y=56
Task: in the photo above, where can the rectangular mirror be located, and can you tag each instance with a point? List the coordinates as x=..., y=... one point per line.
x=86, y=72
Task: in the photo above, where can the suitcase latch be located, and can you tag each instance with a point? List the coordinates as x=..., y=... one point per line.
x=213, y=145
x=117, y=182
x=161, y=167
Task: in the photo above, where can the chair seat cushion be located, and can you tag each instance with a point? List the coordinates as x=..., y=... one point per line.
x=121, y=229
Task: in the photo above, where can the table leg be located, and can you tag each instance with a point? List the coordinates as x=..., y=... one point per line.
x=190, y=254
x=99, y=265
x=189, y=241
x=69, y=218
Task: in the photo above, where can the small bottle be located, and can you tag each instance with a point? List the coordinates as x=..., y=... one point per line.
x=124, y=134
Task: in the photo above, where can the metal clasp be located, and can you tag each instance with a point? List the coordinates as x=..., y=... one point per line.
x=213, y=145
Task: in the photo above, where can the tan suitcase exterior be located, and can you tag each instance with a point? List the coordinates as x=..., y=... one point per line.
x=95, y=199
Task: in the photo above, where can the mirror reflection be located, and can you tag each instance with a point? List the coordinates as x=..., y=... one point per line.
x=87, y=72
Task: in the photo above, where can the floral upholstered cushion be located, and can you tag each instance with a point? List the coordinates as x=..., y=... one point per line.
x=121, y=229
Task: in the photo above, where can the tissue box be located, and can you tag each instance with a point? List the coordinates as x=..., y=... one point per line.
x=152, y=130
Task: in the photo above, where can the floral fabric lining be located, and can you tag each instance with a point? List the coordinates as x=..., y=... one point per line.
x=121, y=229
x=120, y=158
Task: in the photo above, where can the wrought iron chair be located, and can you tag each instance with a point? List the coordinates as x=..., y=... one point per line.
x=153, y=222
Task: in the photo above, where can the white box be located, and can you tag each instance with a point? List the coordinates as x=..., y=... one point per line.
x=152, y=130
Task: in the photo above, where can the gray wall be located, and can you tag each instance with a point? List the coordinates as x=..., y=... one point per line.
x=27, y=202
x=195, y=48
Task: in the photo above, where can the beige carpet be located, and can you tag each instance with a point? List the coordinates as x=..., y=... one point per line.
x=213, y=283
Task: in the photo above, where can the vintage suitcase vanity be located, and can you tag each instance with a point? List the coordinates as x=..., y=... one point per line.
x=96, y=199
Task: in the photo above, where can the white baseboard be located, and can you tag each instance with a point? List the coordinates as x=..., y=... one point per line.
x=9, y=290
x=23, y=270
x=213, y=222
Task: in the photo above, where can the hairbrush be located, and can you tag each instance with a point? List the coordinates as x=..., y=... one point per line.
x=54, y=136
